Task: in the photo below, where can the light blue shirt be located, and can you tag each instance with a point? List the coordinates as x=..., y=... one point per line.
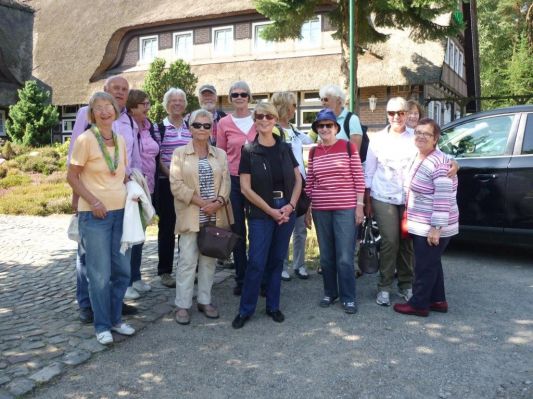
x=355, y=125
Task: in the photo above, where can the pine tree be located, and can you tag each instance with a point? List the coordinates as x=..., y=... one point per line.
x=158, y=80
x=32, y=117
x=419, y=16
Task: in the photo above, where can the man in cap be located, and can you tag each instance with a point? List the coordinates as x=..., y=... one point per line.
x=207, y=95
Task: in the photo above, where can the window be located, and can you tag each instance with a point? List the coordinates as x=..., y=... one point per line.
x=448, y=51
x=311, y=97
x=527, y=145
x=434, y=111
x=2, y=122
x=459, y=68
x=260, y=98
x=69, y=110
x=67, y=125
x=183, y=45
x=311, y=33
x=479, y=138
x=261, y=44
x=148, y=46
x=223, y=40
x=307, y=116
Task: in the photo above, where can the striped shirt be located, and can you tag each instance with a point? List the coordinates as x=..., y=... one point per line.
x=207, y=187
x=432, y=196
x=334, y=178
x=174, y=137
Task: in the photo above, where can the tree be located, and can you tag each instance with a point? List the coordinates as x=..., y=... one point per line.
x=158, y=80
x=288, y=16
x=505, y=52
x=32, y=117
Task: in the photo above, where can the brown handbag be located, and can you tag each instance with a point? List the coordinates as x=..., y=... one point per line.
x=217, y=242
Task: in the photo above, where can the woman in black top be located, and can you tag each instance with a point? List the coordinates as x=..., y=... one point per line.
x=271, y=182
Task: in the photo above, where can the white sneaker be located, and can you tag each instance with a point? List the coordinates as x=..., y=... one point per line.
x=105, y=337
x=406, y=294
x=141, y=286
x=285, y=276
x=301, y=272
x=131, y=293
x=383, y=298
x=124, y=329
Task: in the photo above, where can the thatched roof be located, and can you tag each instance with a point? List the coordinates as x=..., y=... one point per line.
x=17, y=4
x=75, y=41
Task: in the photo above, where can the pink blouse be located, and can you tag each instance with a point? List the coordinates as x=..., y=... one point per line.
x=148, y=149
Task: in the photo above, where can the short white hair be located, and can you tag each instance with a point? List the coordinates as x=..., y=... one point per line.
x=332, y=91
x=397, y=104
x=111, y=78
x=200, y=113
x=173, y=91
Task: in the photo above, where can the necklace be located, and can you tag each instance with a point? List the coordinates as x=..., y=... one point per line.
x=111, y=164
x=326, y=149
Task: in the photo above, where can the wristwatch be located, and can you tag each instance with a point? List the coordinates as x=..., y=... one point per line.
x=437, y=227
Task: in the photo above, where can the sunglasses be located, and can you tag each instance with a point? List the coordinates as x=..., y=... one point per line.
x=237, y=95
x=205, y=126
x=260, y=117
x=324, y=125
x=399, y=113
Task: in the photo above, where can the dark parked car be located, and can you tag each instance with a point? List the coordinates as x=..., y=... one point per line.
x=495, y=152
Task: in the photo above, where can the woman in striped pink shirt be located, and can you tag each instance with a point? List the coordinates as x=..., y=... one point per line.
x=336, y=187
x=432, y=219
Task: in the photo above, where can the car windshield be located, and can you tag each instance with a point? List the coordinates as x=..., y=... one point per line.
x=479, y=138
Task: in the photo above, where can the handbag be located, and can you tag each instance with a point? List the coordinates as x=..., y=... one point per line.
x=303, y=203
x=217, y=242
x=368, y=258
x=73, y=231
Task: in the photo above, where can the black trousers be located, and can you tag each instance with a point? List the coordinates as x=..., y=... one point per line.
x=166, y=240
x=428, y=286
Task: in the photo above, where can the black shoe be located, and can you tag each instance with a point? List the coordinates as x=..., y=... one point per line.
x=86, y=315
x=239, y=321
x=237, y=290
x=276, y=315
x=326, y=301
x=349, y=307
x=128, y=310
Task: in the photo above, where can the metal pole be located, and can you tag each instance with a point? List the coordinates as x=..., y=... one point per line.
x=353, y=54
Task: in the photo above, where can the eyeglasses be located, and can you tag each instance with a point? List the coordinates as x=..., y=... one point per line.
x=260, y=117
x=324, y=125
x=324, y=99
x=427, y=135
x=205, y=126
x=145, y=103
x=237, y=95
x=101, y=108
x=399, y=113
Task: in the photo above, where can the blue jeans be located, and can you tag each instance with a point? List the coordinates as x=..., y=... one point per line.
x=238, y=227
x=336, y=232
x=108, y=271
x=267, y=249
x=82, y=286
x=136, y=257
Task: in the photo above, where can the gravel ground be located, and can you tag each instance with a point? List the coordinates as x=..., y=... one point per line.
x=483, y=348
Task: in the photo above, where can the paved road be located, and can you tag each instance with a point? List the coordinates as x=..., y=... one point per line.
x=481, y=349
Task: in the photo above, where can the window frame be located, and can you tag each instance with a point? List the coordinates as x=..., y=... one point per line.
x=232, y=47
x=269, y=45
x=142, y=56
x=64, y=121
x=174, y=39
x=306, y=44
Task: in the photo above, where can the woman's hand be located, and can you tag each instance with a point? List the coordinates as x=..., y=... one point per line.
x=98, y=209
x=278, y=216
x=454, y=168
x=211, y=207
x=359, y=214
x=433, y=237
x=308, y=219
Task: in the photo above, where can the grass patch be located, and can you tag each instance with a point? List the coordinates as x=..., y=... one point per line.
x=12, y=180
x=40, y=199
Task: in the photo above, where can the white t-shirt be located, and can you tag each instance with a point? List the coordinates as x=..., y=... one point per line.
x=244, y=124
x=296, y=139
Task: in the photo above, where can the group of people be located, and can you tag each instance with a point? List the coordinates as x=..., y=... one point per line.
x=245, y=171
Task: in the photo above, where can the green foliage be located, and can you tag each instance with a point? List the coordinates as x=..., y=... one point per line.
x=32, y=117
x=13, y=180
x=505, y=55
x=41, y=200
x=159, y=79
x=7, y=151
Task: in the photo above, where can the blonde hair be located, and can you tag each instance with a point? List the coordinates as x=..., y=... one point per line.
x=101, y=95
x=267, y=108
x=282, y=100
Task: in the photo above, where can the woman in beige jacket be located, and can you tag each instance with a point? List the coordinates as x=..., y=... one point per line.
x=200, y=183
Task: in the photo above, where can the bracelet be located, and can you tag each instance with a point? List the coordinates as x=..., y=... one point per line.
x=96, y=204
x=292, y=206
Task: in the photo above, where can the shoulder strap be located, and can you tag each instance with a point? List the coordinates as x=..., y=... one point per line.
x=346, y=124
x=131, y=121
x=349, y=148
x=161, y=126
x=151, y=129
x=88, y=126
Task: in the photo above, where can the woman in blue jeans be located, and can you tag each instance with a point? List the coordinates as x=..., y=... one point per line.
x=336, y=187
x=97, y=172
x=271, y=182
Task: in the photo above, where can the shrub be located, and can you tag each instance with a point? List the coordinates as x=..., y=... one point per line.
x=41, y=200
x=7, y=151
x=62, y=149
x=38, y=164
x=3, y=171
x=13, y=180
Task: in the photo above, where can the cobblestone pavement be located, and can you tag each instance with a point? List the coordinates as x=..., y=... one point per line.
x=40, y=335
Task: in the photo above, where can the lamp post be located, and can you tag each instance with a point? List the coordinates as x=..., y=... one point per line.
x=353, y=54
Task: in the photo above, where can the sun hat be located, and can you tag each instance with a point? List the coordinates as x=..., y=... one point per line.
x=325, y=114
